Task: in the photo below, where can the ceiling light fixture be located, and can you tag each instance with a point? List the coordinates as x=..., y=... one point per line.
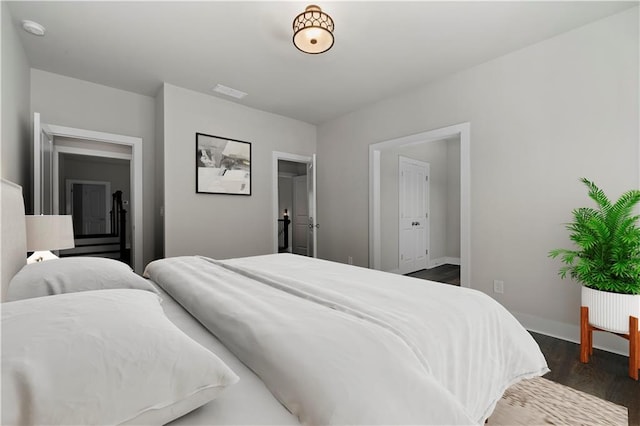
x=33, y=28
x=313, y=30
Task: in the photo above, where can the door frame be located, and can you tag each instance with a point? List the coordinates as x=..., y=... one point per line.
x=463, y=131
x=135, y=167
x=427, y=235
x=305, y=159
x=38, y=129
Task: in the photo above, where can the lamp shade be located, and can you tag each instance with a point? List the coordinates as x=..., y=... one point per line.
x=313, y=30
x=49, y=232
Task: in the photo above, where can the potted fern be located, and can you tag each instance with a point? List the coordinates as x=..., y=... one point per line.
x=606, y=260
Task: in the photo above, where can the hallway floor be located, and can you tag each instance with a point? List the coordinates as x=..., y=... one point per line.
x=449, y=274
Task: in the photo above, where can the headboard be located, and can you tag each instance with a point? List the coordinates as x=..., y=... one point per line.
x=13, y=233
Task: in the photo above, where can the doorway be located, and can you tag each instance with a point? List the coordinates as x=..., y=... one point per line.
x=294, y=201
x=376, y=204
x=95, y=191
x=88, y=185
x=50, y=141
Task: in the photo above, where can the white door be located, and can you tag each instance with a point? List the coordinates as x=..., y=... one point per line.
x=42, y=167
x=89, y=204
x=300, y=221
x=94, y=219
x=413, y=194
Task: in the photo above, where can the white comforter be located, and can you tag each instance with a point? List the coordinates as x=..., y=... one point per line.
x=337, y=344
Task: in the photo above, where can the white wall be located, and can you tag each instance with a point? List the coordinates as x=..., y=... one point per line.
x=443, y=197
x=453, y=198
x=16, y=122
x=222, y=226
x=541, y=118
x=67, y=101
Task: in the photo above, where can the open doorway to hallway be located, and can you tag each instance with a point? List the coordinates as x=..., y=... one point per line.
x=293, y=231
x=295, y=224
x=96, y=192
x=50, y=142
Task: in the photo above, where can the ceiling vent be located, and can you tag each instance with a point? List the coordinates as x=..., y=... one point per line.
x=229, y=91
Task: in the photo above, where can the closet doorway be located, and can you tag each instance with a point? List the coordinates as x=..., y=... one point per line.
x=459, y=132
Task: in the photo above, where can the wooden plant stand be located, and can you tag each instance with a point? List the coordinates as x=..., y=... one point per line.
x=586, y=341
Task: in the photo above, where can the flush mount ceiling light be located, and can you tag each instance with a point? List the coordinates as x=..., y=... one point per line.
x=33, y=28
x=313, y=30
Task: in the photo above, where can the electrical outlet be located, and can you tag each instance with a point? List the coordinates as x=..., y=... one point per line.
x=350, y=260
x=498, y=286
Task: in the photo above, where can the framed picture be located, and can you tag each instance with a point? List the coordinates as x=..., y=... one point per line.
x=223, y=165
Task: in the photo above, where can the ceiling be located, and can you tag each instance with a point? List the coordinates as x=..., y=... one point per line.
x=381, y=48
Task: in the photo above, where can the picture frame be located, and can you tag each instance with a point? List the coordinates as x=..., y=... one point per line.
x=223, y=165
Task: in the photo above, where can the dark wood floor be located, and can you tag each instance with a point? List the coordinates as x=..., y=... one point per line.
x=449, y=274
x=605, y=376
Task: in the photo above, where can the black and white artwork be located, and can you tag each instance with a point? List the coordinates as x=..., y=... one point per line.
x=223, y=166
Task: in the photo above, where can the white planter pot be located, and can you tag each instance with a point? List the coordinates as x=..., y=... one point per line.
x=610, y=311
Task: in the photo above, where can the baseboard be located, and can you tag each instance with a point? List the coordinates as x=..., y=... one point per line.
x=395, y=271
x=571, y=333
x=446, y=260
x=452, y=260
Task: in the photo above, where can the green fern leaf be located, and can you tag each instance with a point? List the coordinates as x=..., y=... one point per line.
x=607, y=240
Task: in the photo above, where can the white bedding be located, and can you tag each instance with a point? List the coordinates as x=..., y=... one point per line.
x=338, y=344
x=73, y=274
x=248, y=402
x=102, y=357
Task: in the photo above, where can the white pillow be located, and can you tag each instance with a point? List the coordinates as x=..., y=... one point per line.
x=71, y=274
x=102, y=357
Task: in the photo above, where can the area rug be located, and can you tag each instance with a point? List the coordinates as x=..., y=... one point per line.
x=540, y=401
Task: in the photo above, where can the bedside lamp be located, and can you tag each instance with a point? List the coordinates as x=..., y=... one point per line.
x=48, y=232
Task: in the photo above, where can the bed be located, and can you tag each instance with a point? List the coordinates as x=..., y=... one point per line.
x=274, y=339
